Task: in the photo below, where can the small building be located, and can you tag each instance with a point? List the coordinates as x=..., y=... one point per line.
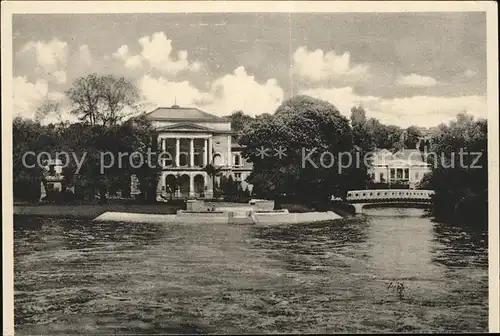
x=404, y=167
x=53, y=175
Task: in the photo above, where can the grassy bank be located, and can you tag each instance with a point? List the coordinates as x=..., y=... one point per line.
x=90, y=211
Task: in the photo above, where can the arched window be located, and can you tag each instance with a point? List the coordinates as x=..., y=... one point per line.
x=237, y=159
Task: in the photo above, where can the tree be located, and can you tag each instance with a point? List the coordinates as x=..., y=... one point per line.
x=27, y=136
x=413, y=134
x=101, y=99
x=362, y=135
x=460, y=182
x=213, y=172
x=117, y=94
x=301, y=124
x=239, y=120
x=49, y=107
x=140, y=137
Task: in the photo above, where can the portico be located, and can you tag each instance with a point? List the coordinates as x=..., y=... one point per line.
x=185, y=150
x=189, y=139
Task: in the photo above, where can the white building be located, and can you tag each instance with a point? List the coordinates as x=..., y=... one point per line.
x=53, y=175
x=406, y=166
x=194, y=138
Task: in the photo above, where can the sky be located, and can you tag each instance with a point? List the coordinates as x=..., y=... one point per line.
x=402, y=68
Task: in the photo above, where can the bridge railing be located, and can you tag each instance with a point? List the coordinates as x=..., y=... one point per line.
x=389, y=194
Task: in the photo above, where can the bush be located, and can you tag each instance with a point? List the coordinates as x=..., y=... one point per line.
x=59, y=197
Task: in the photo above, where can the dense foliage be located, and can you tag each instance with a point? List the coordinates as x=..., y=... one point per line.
x=100, y=135
x=460, y=181
x=277, y=144
x=299, y=127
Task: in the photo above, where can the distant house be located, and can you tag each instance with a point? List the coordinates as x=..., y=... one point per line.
x=194, y=139
x=404, y=167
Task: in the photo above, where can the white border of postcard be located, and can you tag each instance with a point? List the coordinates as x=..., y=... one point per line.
x=45, y=7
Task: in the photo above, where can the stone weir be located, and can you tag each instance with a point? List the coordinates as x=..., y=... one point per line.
x=260, y=212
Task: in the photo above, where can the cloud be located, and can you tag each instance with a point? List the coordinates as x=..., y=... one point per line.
x=417, y=80
x=162, y=92
x=240, y=91
x=60, y=76
x=129, y=61
x=318, y=65
x=50, y=55
x=424, y=111
x=29, y=96
x=157, y=52
x=235, y=91
x=85, y=55
x=470, y=73
x=50, y=58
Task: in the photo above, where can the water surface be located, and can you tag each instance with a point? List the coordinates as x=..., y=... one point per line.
x=76, y=277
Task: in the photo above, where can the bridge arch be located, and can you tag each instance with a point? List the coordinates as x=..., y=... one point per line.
x=388, y=197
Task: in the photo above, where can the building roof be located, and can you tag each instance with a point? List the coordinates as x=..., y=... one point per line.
x=177, y=113
x=409, y=157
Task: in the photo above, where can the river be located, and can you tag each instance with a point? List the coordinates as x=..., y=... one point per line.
x=75, y=277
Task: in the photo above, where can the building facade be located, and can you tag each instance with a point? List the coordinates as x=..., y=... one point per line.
x=190, y=139
x=404, y=167
x=53, y=175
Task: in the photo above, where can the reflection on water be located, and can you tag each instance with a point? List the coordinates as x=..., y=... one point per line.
x=81, y=276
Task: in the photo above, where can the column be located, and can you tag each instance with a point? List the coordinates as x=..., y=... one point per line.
x=229, y=157
x=177, y=150
x=191, y=152
x=191, y=185
x=205, y=152
x=210, y=150
x=163, y=149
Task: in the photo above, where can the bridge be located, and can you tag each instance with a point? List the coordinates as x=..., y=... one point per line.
x=388, y=197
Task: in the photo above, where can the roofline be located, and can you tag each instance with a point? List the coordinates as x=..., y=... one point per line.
x=193, y=131
x=213, y=116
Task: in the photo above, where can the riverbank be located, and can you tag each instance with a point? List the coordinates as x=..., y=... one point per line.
x=91, y=211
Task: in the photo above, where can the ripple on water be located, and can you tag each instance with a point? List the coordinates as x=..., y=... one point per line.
x=323, y=277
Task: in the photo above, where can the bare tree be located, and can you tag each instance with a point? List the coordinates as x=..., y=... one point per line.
x=48, y=107
x=117, y=94
x=102, y=99
x=85, y=95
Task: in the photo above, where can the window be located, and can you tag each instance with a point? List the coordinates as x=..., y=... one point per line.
x=399, y=174
x=237, y=176
x=237, y=160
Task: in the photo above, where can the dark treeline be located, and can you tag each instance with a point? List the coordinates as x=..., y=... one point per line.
x=101, y=104
x=301, y=123
x=460, y=181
